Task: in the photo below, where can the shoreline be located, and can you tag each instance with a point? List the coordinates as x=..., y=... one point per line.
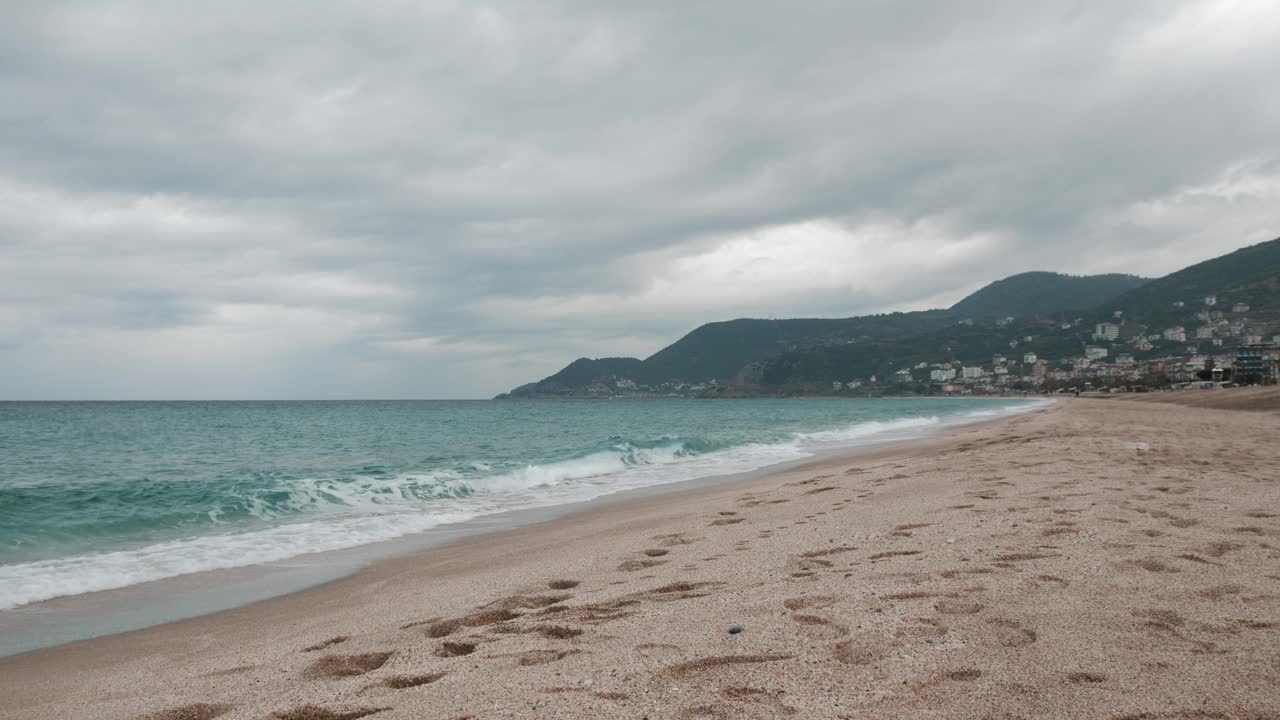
x=92, y=615
x=907, y=580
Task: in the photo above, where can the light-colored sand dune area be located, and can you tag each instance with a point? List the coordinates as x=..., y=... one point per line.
x=1112, y=560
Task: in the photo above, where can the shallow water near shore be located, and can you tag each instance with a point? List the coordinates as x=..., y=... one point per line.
x=276, y=497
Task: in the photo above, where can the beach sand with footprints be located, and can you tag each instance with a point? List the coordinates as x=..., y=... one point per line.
x=1097, y=559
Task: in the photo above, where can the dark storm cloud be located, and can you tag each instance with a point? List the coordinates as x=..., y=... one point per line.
x=444, y=199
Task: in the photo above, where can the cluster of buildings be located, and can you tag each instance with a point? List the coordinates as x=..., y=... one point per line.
x=1097, y=367
x=1222, y=345
x=1225, y=345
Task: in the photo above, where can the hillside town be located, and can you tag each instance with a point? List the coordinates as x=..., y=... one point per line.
x=1226, y=348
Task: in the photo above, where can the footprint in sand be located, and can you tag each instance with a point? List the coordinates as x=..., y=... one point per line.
x=1154, y=565
x=958, y=607
x=316, y=712
x=1022, y=557
x=1011, y=633
x=1218, y=592
x=893, y=554
x=917, y=595
x=404, y=682
x=921, y=627
x=770, y=700
x=542, y=657
x=658, y=650
x=808, y=601
x=700, y=665
x=819, y=627
x=194, y=711
x=1196, y=558
x=1162, y=620
x=526, y=602
x=331, y=666
x=455, y=649
x=634, y=565
x=905, y=530
x=326, y=643
x=674, y=539
x=864, y=649
x=726, y=521
x=556, y=632
x=1218, y=549
x=444, y=628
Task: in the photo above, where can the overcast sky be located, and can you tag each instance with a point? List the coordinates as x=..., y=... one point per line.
x=375, y=199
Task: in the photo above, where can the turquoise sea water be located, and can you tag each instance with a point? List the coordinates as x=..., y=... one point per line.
x=96, y=496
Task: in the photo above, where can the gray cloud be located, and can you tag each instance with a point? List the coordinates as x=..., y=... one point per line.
x=404, y=199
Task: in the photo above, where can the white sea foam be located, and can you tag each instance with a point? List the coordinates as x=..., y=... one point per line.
x=859, y=431
x=321, y=515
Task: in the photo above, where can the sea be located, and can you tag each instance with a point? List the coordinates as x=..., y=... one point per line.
x=98, y=496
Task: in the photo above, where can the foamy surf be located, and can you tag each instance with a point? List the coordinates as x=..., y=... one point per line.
x=279, y=519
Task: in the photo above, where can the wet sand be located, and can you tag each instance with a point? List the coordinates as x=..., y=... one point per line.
x=1099, y=559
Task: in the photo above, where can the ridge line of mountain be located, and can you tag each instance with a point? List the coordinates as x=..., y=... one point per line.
x=1047, y=309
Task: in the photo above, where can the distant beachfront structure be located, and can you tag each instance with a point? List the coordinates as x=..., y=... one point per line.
x=1106, y=331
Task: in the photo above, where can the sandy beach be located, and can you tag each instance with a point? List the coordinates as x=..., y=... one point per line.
x=1096, y=559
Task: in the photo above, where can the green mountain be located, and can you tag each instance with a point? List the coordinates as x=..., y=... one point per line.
x=717, y=351
x=1054, y=317
x=1250, y=275
x=1044, y=293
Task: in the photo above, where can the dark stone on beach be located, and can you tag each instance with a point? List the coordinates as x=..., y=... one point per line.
x=736, y=629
